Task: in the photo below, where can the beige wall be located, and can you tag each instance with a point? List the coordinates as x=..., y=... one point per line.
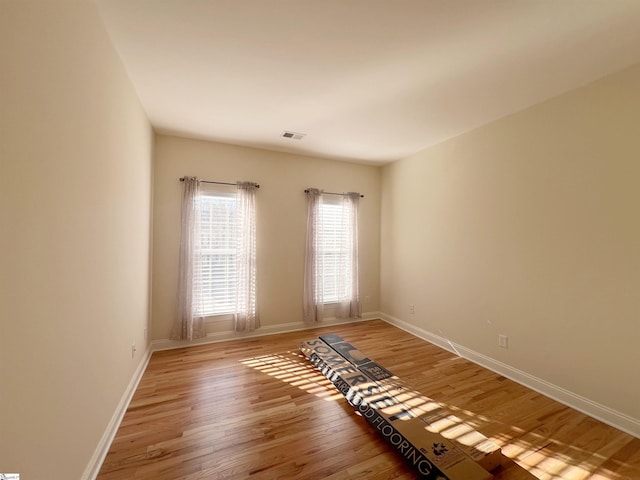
x=281, y=222
x=75, y=188
x=529, y=227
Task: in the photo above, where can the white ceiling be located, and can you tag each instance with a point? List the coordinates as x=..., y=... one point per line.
x=365, y=80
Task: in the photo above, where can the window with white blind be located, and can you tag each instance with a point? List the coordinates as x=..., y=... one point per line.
x=217, y=263
x=335, y=250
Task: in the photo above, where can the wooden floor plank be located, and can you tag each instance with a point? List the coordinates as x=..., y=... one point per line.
x=256, y=408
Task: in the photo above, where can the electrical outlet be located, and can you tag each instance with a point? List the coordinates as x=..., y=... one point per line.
x=503, y=341
x=133, y=350
x=412, y=309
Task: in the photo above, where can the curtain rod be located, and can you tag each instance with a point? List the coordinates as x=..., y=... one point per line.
x=217, y=183
x=333, y=193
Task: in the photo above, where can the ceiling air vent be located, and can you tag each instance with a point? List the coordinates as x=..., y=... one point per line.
x=293, y=135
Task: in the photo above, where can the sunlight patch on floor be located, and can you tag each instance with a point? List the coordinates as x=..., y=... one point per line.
x=294, y=369
x=545, y=464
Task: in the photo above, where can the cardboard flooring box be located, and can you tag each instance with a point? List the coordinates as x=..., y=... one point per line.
x=437, y=419
x=432, y=456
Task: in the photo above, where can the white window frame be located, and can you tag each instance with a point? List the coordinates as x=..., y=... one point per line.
x=219, y=279
x=334, y=250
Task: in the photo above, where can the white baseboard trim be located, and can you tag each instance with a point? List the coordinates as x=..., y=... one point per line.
x=93, y=468
x=596, y=410
x=166, y=344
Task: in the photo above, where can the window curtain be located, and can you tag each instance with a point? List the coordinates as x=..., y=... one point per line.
x=350, y=306
x=313, y=303
x=189, y=323
x=246, y=317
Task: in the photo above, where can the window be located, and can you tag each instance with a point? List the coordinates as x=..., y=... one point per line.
x=217, y=259
x=331, y=255
x=335, y=251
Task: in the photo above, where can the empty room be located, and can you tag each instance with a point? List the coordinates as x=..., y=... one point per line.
x=348, y=239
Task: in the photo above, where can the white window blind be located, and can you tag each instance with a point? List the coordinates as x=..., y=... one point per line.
x=218, y=251
x=335, y=251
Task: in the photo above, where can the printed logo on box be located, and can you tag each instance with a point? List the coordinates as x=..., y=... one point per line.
x=375, y=371
x=9, y=476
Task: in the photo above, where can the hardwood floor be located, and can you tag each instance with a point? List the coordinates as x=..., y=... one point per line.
x=256, y=408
